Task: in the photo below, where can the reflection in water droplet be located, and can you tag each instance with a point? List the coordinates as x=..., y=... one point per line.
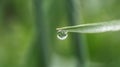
x=62, y=34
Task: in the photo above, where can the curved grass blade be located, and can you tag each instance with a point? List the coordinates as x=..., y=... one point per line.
x=93, y=27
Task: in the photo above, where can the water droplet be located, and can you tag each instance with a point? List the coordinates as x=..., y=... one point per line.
x=62, y=34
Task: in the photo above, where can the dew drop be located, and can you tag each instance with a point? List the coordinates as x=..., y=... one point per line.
x=62, y=34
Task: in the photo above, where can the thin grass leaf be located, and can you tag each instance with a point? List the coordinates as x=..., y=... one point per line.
x=93, y=27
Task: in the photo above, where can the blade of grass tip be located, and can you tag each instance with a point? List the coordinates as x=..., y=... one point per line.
x=73, y=15
x=94, y=27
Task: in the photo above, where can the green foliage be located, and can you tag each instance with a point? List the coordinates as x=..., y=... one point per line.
x=28, y=35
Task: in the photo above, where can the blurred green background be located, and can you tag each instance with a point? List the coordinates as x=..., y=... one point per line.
x=28, y=33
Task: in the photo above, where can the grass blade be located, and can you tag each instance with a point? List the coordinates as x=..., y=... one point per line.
x=94, y=27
